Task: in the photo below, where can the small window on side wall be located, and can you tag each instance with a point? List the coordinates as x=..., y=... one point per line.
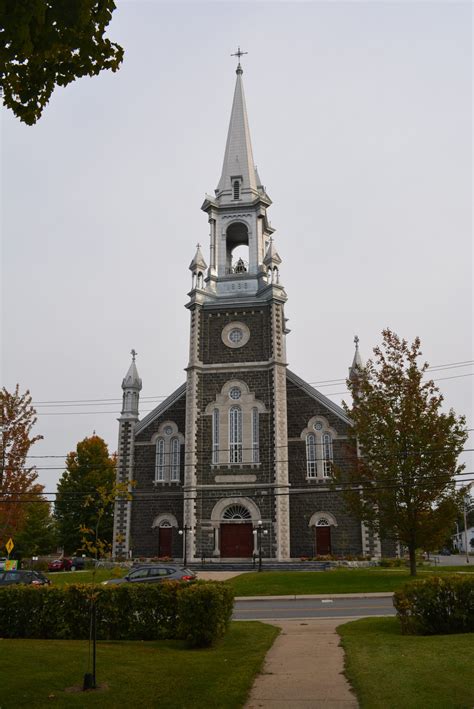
x=236, y=189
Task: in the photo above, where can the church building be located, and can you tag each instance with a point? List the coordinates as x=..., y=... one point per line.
x=241, y=456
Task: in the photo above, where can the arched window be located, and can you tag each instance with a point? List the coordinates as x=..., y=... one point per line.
x=160, y=460
x=235, y=434
x=236, y=189
x=255, y=437
x=311, y=455
x=236, y=512
x=215, y=436
x=175, y=456
x=327, y=455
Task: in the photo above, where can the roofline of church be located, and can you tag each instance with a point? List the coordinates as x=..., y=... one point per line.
x=318, y=396
x=172, y=398
x=180, y=391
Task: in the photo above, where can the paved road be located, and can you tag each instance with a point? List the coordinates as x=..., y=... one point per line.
x=295, y=608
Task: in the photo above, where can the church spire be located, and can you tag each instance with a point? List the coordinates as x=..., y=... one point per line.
x=357, y=363
x=131, y=386
x=238, y=179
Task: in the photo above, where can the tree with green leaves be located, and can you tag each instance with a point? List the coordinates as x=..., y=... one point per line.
x=49, y=43
x=39, y=533
x=17, y=476
x=102, y=503
x=403, y=484
x=89, y=475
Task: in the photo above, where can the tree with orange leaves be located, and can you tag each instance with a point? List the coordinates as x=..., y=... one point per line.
x=17, y=478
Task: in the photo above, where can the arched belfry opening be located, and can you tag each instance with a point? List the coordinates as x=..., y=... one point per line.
x=237, y=248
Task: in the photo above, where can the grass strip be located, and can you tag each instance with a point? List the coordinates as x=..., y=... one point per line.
x=394, y=671
x=49, y=673
x=282, y=583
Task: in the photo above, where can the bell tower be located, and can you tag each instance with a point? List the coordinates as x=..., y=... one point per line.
x=236, y=418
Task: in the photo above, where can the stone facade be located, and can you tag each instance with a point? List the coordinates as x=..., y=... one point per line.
x=241, y=456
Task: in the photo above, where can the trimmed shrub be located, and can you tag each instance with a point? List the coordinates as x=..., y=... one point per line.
x=204, y=612
x=395, y=563
x=440, y=604
x=124, y=612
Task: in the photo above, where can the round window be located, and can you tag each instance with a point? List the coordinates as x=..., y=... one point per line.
x=318, y=426
x=236, y=335
x=235, y=393
x=168, y=430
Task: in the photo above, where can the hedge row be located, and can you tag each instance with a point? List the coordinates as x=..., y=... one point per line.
x=197, y=612
x=440, y=604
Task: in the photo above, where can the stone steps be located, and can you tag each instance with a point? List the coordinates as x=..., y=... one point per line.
x=267, y=565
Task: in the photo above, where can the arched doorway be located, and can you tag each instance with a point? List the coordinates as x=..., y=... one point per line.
x=236, y=533
x=164, y=523
x=322, y=523
x=165, y=539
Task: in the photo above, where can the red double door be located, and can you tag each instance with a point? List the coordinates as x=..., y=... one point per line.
x=236, y=541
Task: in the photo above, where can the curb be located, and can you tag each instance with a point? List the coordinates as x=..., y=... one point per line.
x=317, y=596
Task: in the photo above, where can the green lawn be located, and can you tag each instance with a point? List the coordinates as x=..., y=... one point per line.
x=282, y=583
x=394, y=671
x=61, y=578
x=39, y=673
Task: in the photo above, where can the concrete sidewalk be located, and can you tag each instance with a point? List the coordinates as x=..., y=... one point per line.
x=303, y=669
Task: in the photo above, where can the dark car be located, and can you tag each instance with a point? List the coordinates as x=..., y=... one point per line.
x=78, y=563
x=154, y=573
x=36, y=578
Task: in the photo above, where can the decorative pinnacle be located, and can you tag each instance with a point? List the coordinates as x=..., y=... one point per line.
x=239, y=54
x=134, y=354
x=356, y=341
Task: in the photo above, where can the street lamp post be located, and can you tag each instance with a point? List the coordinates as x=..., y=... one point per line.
x=184, y=533
x=258, y=531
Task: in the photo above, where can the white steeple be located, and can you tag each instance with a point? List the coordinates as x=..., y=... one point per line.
x=238, y=170
x=131, y=386
x=357, y=363
x=239, y=228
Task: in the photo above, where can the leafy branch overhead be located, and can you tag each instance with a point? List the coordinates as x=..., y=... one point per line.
x=49, y=43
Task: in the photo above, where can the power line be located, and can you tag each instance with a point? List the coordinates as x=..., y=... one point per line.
x=74, y=402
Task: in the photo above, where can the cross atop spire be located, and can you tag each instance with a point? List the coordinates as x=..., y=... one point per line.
x=356, y=341
x=239, y=54
x=134, y=354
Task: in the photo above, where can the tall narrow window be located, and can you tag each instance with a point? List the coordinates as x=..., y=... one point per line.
x=215, y=436
x=175, y=455
x=255, y=437
x=327, y=455
x=311, y=455
x=236, y=189
x=235, y=434
x=160, y=460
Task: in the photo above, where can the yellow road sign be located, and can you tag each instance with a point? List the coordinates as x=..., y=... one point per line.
x=9, y=546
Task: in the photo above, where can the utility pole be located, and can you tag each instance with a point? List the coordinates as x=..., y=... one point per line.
x=466, y=502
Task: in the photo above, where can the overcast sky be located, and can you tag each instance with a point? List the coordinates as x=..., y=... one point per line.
x=360, y=115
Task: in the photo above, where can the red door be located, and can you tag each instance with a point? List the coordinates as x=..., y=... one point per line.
x=323, y=540
x=165, y=537
x=236, y=541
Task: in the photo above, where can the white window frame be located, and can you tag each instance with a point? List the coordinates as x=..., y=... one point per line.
x=175, y=459
x=215, y=436
x=327, y=454
x=160, y=460
x=311, y=458
x=255, y=436
x=235, y=434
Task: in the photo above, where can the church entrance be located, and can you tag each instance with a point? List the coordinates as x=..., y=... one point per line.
x=323, y=540
x=165, y=539
x=236, y=541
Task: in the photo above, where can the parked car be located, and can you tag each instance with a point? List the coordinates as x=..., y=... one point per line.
x=154, y=573
x=36, y=578
x=78, y=563
x=62, y=564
